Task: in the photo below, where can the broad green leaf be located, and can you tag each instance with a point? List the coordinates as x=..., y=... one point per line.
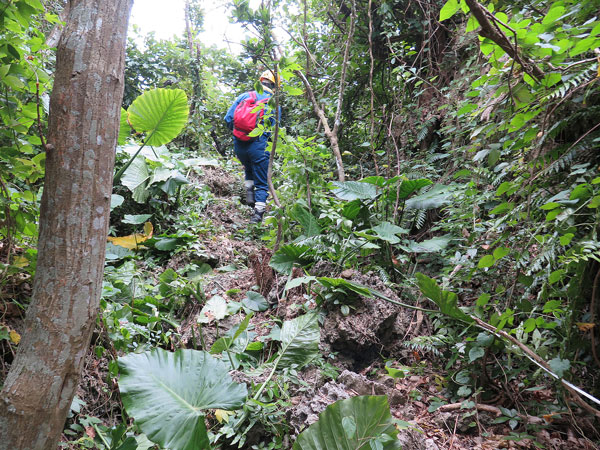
x=432, y=245
x=446, y=301
x=255, y=302
x=351, y=424
x=502, y=208
x=409, y=187
x=352, y=209
x=167, y=394
x=116, y=252
x=124, y=128
x=309, y=223
x=472, y=24
x=160, y=113
x=559, y=366
x=486, y=261
x=136, y=174
x=214, y=309
x=475, y=353
x=284, y=259
x=335, y=283
x=116, y=200
x=439, y=195
x=555, y=12
x=299, y=282
x=136, y=219
x=387, y=231
x=299, y=341
x=501, y=252
x=449, y=9
x=353, y=190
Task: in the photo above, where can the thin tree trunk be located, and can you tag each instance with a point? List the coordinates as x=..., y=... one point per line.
x=83, y=129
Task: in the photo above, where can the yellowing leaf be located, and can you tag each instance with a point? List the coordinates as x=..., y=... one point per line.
x=15, y=337
x=20, y=262
x=222, y=415
x=583, y=327
x=133, y=240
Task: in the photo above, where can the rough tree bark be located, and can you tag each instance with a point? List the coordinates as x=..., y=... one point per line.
x=82, y=135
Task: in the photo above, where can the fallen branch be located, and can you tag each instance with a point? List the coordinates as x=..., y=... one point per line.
x=492, y=410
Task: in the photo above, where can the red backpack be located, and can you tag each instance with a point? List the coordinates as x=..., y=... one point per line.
x=245, y=120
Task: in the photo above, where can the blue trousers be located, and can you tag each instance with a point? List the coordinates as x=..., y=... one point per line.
x=255, y=158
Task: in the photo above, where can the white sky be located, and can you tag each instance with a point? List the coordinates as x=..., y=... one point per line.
x=166, y=19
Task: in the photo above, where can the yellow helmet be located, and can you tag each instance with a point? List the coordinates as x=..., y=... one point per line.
x=268, y=76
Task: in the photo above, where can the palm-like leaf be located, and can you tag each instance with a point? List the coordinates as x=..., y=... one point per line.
x=166, y=393
x=351, y=424
x=160, y=113
x=352, y=190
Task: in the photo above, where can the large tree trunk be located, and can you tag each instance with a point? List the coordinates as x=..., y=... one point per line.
x=83, y=128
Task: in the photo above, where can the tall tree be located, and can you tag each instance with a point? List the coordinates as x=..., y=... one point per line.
x=82, y=135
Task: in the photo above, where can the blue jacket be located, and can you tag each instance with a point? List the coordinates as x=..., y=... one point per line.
x=229, y=116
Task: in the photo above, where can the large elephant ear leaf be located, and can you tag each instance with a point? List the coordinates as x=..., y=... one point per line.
x=124, y=128
x=299, y=341
x=160, y=113
x=167, y=394
x=356, y=423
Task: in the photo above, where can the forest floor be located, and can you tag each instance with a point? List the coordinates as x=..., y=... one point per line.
x=356, y=348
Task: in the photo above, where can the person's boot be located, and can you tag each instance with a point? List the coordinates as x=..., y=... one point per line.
x=250, y=197
x=257, y=216
x=249, y=185
x=259, y=211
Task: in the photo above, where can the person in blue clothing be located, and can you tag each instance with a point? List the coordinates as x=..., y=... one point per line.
x=253, y=154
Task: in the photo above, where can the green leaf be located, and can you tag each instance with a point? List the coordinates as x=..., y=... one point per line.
x=502, y=208
x=450, y=8
x=167, y=393
x=136, y=219
x=124, y=128
x=409, y=187
x=299, y=341
x=366, y=418
x=136, y=174
x=291, y=90
x=387, y=231
x=255, y=302
x=353, y=190
x=215, y=308
x=559, y=366
x=556, y=276
x=351, y=209
x=529, y=325
x=160, y=113
x=475, y=353
x=472, y=24
x=166, y=244
x=439, y=195
x=486, y=261
x=336, y=283
x=116, y=200
x=501, y=252
x=432, y=245
x=446, y=301
x=309, y=223
x=284, y=259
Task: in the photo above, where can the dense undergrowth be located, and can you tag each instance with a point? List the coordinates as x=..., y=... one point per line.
x=458, y=267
